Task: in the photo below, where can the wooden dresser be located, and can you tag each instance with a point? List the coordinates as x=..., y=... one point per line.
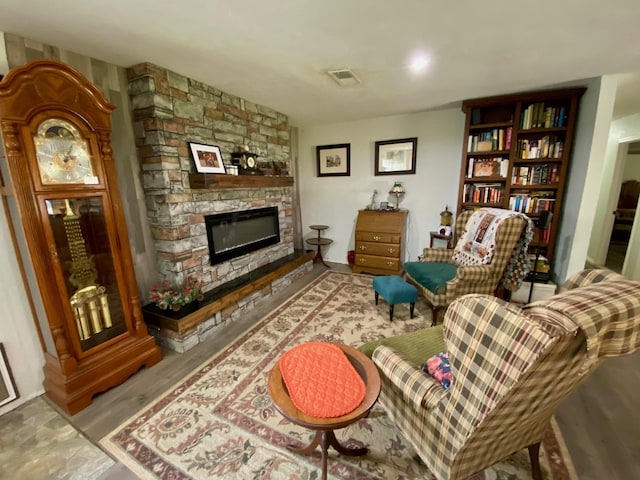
x=380, y=242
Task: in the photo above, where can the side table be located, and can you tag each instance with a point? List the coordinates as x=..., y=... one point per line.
x=440, y=236
x=319, y=241
x=324, y=427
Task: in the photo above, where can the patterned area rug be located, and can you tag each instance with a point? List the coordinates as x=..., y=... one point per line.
x=220, y=421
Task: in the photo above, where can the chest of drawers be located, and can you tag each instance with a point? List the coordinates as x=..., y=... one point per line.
x=379, y=242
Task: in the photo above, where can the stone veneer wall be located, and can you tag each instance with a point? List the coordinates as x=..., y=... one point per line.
x=169, y=111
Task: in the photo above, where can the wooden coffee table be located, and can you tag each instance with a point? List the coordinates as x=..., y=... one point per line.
x=324, y=427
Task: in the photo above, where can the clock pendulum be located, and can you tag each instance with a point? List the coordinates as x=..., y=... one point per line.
x=89, y=296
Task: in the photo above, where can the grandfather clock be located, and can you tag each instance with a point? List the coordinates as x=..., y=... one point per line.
x=60, y=179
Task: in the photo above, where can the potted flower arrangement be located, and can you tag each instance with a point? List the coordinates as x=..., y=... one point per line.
x=173, y=298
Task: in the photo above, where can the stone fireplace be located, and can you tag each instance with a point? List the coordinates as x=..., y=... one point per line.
x=169, y=111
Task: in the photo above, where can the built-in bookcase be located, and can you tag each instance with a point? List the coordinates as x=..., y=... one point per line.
x=516, y=155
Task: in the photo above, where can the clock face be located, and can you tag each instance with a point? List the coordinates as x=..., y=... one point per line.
x=63, y=154
x=251, y=162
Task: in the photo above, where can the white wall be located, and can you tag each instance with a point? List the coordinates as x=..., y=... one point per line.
x=17, y=329
x=335, y=201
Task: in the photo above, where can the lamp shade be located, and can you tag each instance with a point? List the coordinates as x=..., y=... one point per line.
x=397, y=189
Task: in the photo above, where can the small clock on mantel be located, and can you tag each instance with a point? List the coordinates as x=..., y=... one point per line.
x=56, y=129
x=246, y=161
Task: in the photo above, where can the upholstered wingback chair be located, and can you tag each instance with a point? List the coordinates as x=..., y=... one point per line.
x=441, y=277
x=511, y=367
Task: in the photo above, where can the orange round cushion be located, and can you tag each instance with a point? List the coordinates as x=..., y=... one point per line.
x=321, y=381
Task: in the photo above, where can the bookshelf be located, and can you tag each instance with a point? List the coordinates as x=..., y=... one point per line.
x=516, y=155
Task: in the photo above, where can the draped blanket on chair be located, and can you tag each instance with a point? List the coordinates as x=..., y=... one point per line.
x=476, y=245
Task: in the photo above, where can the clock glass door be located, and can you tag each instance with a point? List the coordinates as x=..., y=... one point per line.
x=85, y=257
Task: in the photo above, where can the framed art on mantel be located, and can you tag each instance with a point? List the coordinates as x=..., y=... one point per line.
x=207, y=158
x=396, y=157
x=334, y=160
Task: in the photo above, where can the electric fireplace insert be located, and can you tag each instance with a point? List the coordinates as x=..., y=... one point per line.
x=234, y=234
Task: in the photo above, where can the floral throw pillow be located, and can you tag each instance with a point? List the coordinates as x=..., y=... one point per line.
x=439, y=368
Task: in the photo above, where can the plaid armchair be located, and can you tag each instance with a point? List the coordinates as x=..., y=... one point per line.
x=440, y=278
x=511, y=368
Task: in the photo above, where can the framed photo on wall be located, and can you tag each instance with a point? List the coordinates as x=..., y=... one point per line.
x=396, y=157
x=208, y=158
x=334, y=160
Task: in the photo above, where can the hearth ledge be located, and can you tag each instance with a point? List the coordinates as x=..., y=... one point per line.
x=182, y=334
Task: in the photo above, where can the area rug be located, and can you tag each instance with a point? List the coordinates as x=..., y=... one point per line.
x=221, y=423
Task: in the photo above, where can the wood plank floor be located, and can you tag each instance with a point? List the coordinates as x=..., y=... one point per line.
x=600, y=421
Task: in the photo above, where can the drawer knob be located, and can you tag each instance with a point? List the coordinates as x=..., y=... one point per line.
x=391, y=250
x=376, y=237
x=390, y=264
x=362, y=260
x=363, y=248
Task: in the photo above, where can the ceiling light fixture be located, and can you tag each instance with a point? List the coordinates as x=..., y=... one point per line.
x=344, y=77
x=419, y=63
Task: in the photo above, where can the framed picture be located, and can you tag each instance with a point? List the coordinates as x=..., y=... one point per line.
x=7, y=387
x=207, y=158
x=334, y=160
x=396, y=157
x=488, y=168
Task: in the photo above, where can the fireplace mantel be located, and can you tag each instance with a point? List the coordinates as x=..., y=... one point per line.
x=219, y=181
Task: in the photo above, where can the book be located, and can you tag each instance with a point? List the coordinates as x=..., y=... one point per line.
x=484, y=146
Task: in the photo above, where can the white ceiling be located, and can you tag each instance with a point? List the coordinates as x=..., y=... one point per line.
x=276, y=52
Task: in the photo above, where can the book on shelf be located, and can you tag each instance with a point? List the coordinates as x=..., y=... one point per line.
x=545, y=174
x=548, y=146
x=495, y=139
x=531, y=203
x=483, y=193
x=507, y=139
x=537, y=115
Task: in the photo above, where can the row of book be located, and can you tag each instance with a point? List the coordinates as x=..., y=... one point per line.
x=483, y=192
x=497, y=139
x=534, y=203
x=549, y=146
x=546, y=174
x=537, y=115
x=487, y=167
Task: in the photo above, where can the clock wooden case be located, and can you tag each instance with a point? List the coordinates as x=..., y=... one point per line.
x=60, y=188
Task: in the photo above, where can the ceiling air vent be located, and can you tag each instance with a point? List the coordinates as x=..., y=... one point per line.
x=344, y=77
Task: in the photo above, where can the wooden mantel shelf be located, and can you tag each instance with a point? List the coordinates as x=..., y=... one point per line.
x=215, y=180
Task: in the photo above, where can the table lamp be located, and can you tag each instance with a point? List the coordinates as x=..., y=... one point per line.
x=397, y=190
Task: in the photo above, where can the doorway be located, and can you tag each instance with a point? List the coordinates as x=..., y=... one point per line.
x=625, y=212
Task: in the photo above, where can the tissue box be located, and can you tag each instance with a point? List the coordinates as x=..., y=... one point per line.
x=541, y=291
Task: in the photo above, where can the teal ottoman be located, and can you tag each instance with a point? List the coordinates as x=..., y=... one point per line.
x=395, y=290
